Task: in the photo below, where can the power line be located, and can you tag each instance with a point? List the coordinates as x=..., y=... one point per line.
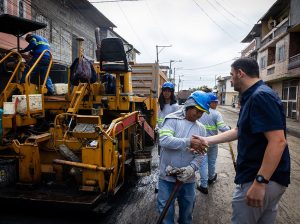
x=226, y=10
x=205, y=67
x=224, y=16
x=214, y=21
x=133, y=30
x=158, y=24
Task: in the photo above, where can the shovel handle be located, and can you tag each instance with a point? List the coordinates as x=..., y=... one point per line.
x=232, y=155
x=177, y=186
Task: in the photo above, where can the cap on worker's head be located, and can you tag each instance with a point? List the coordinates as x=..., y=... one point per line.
x=168, y=85
x=202, y=100
x=28, y=37
x=213, y=97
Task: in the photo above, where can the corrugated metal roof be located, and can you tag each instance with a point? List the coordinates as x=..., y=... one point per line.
x=91, y=12
x=275, y=9
x=255, y=32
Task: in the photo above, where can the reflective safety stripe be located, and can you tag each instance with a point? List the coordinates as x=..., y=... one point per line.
x=160, y=120
x=220, y=124
x=166, y=133
x=210, y=127
x=42, y=43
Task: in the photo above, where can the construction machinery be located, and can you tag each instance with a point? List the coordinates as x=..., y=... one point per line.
x=78, y=148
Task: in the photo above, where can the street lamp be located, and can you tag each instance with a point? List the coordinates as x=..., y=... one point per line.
x=157, y=52
x=170, y=70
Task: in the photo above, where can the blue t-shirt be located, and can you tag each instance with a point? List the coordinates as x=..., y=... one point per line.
x=261, y=111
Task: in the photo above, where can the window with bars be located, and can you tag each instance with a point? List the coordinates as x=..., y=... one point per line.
x=2, y=6
x=21, y=9
x=263, y=62
x=280, y=53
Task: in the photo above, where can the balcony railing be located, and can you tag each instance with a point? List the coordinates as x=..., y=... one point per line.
x=294, y=61
x=281, y=29
x=275, y=32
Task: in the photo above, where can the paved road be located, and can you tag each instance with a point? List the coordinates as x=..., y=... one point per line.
x=137, y=205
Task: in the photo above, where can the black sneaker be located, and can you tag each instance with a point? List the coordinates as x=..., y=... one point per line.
x=211, y=181
x=203, y=190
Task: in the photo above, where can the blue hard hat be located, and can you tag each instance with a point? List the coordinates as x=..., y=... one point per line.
x=202, y=100
x=168, y=85
x=213, y=97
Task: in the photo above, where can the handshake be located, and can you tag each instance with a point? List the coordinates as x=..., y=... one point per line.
x=199, y=144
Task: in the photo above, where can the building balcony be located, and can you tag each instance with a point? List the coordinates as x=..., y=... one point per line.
x=294, y=61
x=276, y=32
x=275, y=72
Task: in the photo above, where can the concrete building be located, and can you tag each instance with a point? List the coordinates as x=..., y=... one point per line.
x=66, y=20
x=226, y=93
x=278, y=52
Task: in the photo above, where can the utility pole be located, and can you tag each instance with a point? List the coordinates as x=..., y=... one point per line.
x=170, y=70
x=179, y=81
x=215, y=80
x=175, y=73
x=157, y=52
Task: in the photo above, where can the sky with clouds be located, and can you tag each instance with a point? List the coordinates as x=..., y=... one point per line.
x=205, y=34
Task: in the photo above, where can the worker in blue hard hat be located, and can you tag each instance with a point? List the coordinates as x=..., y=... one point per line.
x=213, y=122
x=167, y=104
x=37, y=44
x=175, y=138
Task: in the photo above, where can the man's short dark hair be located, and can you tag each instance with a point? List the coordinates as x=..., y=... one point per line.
x=247, y=65
x=28, y=37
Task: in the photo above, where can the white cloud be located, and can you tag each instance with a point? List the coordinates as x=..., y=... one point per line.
x=196, y=40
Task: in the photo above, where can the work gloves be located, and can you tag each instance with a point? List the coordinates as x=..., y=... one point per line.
x=187, y=173
x=183, y=174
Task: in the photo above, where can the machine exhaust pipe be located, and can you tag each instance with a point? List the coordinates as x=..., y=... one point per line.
x=98, y=42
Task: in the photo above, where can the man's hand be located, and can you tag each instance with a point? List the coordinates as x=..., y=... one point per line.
x=255, y=195
x=186, y=173
x=199, y=144
x=172, y=171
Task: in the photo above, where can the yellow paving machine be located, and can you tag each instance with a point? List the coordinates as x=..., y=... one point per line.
x=80, y=147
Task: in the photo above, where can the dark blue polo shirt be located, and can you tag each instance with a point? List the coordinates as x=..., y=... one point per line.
x=261, y=111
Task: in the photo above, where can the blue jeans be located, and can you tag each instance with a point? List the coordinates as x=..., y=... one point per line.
x=40, y=69
x=186, y=197
x=207, y=167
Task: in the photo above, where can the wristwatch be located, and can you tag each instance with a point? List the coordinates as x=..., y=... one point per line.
x=261, y=179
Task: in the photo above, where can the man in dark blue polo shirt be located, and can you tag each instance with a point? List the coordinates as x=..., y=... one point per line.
x=263, y=161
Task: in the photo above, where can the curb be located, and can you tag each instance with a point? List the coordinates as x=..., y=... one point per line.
x=293, y=132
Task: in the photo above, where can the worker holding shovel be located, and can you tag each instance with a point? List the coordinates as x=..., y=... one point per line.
x=176, y=141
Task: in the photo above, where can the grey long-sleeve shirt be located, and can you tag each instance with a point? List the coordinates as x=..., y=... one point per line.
x=213, y=122
x=174, y=138
x=163, y=113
